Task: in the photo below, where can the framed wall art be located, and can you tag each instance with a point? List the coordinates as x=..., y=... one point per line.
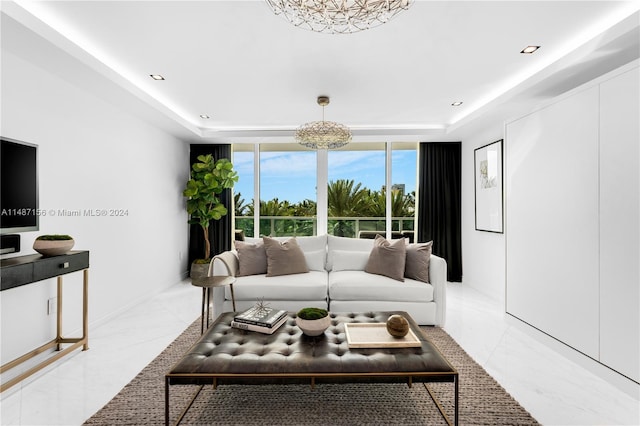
x=488, y=187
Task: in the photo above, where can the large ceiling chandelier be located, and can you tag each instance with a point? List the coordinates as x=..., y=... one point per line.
x=338, y=16
x=323, y=134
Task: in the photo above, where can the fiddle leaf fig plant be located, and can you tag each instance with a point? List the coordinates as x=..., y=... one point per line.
x=208, y=179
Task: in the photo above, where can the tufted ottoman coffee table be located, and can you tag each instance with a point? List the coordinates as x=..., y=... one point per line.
x=226, y=355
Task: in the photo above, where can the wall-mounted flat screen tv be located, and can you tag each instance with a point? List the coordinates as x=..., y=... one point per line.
x=19, y=186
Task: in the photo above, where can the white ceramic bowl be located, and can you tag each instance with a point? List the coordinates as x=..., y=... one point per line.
x=313, y=327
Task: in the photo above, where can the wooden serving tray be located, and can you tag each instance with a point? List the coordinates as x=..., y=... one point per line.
x=375, y=335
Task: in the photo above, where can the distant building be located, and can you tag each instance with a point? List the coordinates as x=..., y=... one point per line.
x=398, y=187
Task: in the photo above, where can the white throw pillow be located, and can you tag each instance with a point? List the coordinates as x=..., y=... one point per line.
x=313, y=243
x=347, y=244
x=345, y=260
x=315, y=259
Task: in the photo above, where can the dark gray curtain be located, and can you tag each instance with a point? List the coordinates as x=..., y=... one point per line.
x=220, y=231
x=440, y=201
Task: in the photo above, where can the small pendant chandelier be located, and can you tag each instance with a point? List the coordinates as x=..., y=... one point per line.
x=323, y=134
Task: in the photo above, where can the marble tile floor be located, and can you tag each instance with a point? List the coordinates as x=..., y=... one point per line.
x=553, y=389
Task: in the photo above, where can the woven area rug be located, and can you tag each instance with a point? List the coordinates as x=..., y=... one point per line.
x=482, y=400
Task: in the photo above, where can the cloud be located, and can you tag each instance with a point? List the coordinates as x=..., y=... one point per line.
x=289, y=164
x=348, y=162
x=243, y=163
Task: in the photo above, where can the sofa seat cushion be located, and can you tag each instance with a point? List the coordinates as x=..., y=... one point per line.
x=360, y=285
x=308, y=286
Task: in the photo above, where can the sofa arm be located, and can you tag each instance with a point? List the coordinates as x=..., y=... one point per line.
x=225, y=263
x=438, y=278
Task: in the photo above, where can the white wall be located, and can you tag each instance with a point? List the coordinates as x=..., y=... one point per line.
x=573, y=198
x=551, y=178
x=620, y=223
x=93, y=155
x=483, y=254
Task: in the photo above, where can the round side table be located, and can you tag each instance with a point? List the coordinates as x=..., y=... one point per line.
x=207, y=283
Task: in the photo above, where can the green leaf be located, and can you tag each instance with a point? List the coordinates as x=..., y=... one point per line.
x=208, y=179
x=205, y=158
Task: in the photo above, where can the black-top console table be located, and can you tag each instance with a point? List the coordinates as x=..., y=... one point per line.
x=23, y=270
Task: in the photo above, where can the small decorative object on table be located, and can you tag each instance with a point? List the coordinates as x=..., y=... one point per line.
x=53, y=245
x=260, y=318
x=397, y=326
x=313, y=321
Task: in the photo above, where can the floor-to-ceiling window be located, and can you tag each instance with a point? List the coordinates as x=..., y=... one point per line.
x=355, y=192
x=288, y=181
x=352, y=199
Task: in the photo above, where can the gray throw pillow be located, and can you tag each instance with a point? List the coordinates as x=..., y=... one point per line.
x=284, y=257
x=252, y=258
x=387, y=258
x=417, y=266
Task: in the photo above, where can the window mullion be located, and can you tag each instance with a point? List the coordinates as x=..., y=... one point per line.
x=322, y=198
x=388, y=179
x=256, y=190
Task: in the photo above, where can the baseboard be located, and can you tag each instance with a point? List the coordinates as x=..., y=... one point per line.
x=611, y=376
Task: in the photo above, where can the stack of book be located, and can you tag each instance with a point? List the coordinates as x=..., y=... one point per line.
x=260, y=319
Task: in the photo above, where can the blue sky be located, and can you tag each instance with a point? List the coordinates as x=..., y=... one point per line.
x=292, y=175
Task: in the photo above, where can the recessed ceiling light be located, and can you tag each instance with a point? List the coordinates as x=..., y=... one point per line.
x=205, y=116
x=458, y=103
x=156, y=76
x=530, y=49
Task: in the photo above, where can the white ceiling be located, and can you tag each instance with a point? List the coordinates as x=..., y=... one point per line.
x=256, y=75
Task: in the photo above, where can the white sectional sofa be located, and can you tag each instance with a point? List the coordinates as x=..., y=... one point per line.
x=336, y=281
